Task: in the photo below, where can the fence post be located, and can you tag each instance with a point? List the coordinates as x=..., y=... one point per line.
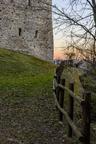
x=71, y=108
x=86, y=117
x=57, y=91
x=61, y=99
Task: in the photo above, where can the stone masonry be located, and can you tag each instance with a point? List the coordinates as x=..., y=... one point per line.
x=26, y=25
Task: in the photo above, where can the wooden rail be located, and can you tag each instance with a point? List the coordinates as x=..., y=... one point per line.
x=59, y=93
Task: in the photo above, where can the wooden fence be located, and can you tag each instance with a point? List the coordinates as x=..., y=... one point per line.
x=59, y=95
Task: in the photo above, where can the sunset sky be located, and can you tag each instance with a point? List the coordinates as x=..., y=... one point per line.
x=58, y=38
x=62, y=29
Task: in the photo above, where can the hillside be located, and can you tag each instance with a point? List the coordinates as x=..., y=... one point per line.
x=27, y=110
x=20, y=71
x=28, y=114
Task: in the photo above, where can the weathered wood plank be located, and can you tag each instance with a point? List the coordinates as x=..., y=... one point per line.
x=75, y=129
x=71, y=108
x=86, y=117
x=61, y=99
x=71, y=93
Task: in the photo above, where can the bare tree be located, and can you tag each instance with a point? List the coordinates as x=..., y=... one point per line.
x=70, y=55
x=77, y=20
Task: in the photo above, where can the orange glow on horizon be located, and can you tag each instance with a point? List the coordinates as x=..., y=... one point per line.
x=61, y=55
x=58, y=54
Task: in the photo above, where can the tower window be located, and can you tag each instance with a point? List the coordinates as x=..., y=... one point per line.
x=12, y=1
x=29, y=2
x=20, y=30
x=36, y=33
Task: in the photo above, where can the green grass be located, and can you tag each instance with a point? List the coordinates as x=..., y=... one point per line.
x=27, y=110
x=23, y=71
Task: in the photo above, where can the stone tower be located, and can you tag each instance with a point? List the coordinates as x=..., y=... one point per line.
x=26, y=25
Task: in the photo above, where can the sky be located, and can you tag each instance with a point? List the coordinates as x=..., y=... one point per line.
x=58, y=38
x=62, y=34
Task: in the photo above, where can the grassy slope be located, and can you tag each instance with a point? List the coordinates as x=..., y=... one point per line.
x=18, y=70
x=26, y=100
x=27, y=111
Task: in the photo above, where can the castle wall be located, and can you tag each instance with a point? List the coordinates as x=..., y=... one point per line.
x=26, y=25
